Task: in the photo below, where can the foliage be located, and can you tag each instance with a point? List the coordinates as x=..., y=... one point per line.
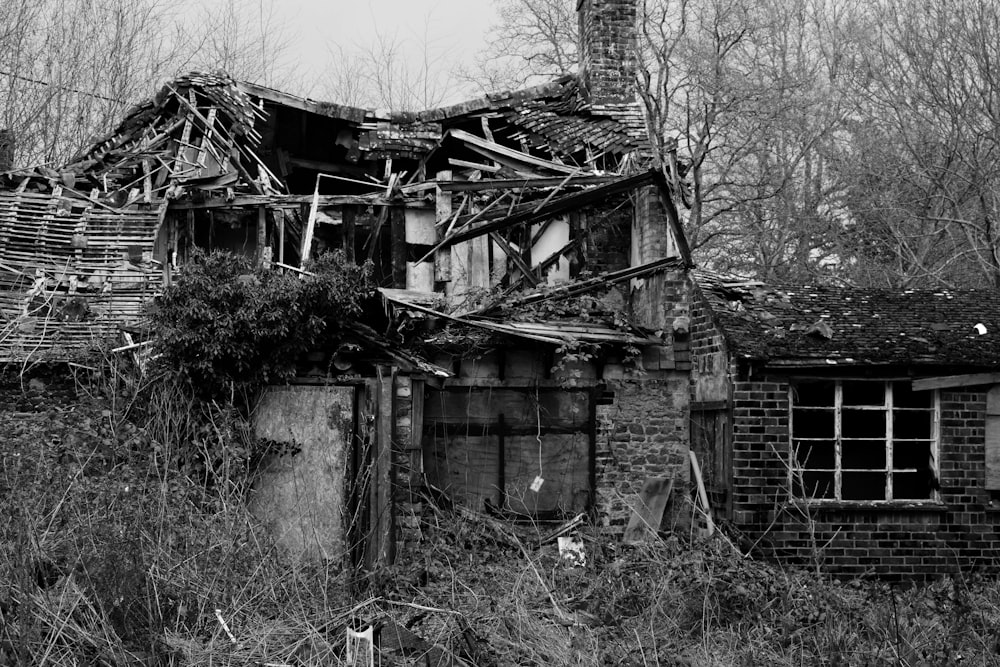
x=228, y=326
x=111, y=554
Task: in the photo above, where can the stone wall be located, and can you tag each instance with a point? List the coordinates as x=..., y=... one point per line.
x=642, y=432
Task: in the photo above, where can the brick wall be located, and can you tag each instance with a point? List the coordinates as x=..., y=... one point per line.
x=915, y=542
x=607, y=49
x=642, y=432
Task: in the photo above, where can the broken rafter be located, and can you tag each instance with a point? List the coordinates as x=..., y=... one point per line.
x=509, y=156
x=515, y=257
x=555, y=207
x=522, y=183
x=590, y=284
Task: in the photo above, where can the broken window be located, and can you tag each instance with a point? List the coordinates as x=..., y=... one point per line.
x=863, y=440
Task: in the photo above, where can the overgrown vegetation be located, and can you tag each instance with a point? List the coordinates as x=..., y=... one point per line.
x=126, y=538
x=111, y=554
x=229, y=326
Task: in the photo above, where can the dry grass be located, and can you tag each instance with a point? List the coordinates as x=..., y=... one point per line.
x=114, y=552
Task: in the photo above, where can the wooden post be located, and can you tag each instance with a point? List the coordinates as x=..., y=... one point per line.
x=443, y=210
x=261, y=235
x=501, y=460
x=279, y=215
x=349, y=213
x=397, y=227
x=380, y=548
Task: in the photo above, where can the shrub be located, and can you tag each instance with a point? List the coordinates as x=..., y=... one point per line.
x=227, y=325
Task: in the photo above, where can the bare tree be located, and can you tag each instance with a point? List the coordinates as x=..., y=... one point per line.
x=70, y=68
x=532, y=40
x=385, y=74
x=928, y=143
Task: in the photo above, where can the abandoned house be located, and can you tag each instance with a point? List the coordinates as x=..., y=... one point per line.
x=856, y=429
x=547, y=350
x=529, y=365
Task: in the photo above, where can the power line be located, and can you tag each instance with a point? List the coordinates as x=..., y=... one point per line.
x=66, y=88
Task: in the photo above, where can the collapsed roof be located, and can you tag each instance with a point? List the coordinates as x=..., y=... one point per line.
x=84, y=245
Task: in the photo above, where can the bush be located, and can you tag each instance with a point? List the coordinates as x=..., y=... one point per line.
x=227, y=325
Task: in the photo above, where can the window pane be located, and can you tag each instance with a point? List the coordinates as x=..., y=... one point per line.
x=864, y=393
x=904, y=397
x=863, y=454
x=862, y=485
x=911, y=455
x=813, y=392
x=818, y=484
x=812, y=423
x=911, y=424
x=862, y=423
x=815, y=454
x=911, y=485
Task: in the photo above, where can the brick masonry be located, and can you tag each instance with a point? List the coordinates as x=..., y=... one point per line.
x=918, y=541
x=961, y=533
x=607, y=49
x=642, y=432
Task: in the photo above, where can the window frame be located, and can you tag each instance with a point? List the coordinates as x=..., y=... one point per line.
x=795, y=469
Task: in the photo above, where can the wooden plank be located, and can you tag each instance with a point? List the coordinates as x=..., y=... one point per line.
x=455, y=162
x=563, y=408
x=558, y=206
x=465, y=467
x=381, y=544
x=647, y=512
x=560, y=460
x=516, y=258
x=949, y=381
x=500, y=150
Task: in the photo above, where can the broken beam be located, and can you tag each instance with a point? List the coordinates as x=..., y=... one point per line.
x=556, y=207
x=518, y=183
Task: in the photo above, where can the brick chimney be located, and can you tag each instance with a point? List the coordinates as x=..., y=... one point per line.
x=607, y=50
x=6, y=150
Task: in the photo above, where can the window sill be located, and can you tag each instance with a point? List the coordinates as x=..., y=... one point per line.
x=875, y=505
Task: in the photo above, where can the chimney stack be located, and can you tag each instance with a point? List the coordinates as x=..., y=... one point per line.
x=607, y=50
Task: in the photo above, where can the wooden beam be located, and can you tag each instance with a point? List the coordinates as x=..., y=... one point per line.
x=673, y=219
x=492, y=147
x=516, y=258
x=519, y=183
x=274, y=201
x=556, y=207
x=949, y=381
x=381, y=537
x=473, y=165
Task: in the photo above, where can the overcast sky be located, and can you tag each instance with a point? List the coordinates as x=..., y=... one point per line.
x=454, y=27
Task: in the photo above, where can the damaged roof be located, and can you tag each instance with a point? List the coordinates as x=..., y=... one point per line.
x=849, y=326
